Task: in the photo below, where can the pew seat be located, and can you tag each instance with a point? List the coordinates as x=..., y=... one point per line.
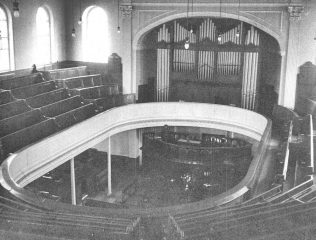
x=5, y=97
x=33, y=90
x=20, y=121
x=80, y=81
x=111, y=101
x=67, y=72
x=47, y=98
x=4, y=76
x=13, y=108
x=74, y=116
x=63, y=106
x=96, y=91
x=21, y=81
x=19, y=139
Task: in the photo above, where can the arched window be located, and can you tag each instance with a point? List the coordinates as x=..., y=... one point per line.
x=44, y=41
x=5, y=64
x=96, y=47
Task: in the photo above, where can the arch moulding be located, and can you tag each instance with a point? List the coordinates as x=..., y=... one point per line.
x=142, y=29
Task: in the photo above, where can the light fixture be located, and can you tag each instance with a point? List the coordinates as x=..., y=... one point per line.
x=187, y=41
x=80, y=18
x=118, y=17
x=191, y=29
x=238, y=33
x=219, y=38
x=16, y=10
x=73, y=30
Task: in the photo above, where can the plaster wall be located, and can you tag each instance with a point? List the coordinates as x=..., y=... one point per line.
x=24, y=31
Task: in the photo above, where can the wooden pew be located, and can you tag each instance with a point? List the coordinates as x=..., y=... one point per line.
x=32, y=90
x=67, y=72
x=47, y=98
x=20, y=121
x=4, y=76
x=17, y=140
x=74, y=116
x=60, y=107
x=22, y=81
x=80, y=81
x=13, y=108
x=5, y=97
x=96, y=91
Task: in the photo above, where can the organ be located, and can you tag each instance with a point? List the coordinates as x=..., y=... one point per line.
x=227, y=59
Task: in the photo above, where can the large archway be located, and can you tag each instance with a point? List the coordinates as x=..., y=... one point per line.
x=146, y=45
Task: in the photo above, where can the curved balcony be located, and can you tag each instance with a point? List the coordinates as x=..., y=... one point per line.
x=31, y=162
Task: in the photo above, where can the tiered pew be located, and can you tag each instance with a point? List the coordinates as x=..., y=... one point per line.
x=46, y=98
x=68, y=226
x=13, y=108
x=20, y=121
x=19, y=139
x=33, y=90
x=21, y=81
x=5, y=96
x=80, y=81
x=63, y=73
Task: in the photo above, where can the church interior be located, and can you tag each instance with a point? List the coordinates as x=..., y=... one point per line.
x=156, y=119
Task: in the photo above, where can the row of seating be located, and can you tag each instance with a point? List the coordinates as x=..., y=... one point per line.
x=21, y=81
x=68, y=226
x=80, y=81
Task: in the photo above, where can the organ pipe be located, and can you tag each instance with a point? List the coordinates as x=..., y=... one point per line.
x=210, y=64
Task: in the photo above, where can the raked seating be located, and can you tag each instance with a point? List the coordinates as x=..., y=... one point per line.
x=5, y=97
x=20, y=121
x=74, y=116
x=4, y=76
x=47, y=98
x=66, y=226
x=17, y=140
x=80, y=81
x=67, y=72
x=32, y=90
x=13, y=108
x=62, y=106
x=111, y=101
x=22, y=81
x=205, y=226
x=96, y=92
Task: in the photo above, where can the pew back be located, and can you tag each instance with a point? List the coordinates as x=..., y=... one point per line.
x=18, y=122
x=22, y=81
x=30, y=91
x=67, y=72
x=13, y=108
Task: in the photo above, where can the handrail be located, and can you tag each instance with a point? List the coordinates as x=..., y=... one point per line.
x=287, y=152
x=33, y=161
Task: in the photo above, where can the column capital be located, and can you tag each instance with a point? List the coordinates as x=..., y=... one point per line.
x=126, y=8
x=295, y=12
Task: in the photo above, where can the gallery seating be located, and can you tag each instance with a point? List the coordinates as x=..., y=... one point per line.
x=46, y=98
x=15, y=141
x=63, y=73
x=32, y=90
x=5, y=96
x=20, y=121
x=21, y=81
x=62, y=106
x=80, y=81
x=96, y=91
x=74, y=116
x=13, y=108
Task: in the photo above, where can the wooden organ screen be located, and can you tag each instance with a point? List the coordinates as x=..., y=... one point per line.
x=233, y=61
